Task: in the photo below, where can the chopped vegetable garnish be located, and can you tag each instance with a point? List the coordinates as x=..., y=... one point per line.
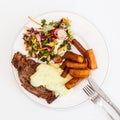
x=51, y=39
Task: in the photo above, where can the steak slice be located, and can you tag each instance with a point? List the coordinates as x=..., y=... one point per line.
x=27, y=67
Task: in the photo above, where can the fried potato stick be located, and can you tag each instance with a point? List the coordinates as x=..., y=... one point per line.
x=92, y=64
x=65, y=72
x=73, y=82
x=70, y=64
x=73, y=56
x=80, y=48
x=79, y=73
x=63, y=65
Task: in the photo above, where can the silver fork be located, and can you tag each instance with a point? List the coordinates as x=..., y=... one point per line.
x=91, y=93
x=95, y=98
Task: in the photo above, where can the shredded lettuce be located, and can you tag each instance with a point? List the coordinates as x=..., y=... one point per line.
x=43, y=42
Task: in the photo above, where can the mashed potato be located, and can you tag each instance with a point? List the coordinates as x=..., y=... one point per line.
x=48, y=75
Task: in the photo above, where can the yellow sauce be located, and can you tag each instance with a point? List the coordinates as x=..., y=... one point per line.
x=48, y=75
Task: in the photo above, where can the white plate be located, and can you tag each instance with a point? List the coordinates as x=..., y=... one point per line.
x=87, y=35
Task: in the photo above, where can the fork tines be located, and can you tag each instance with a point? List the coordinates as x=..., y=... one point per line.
x=88, y=90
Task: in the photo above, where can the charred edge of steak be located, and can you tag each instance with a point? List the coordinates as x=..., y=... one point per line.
x=27, y=67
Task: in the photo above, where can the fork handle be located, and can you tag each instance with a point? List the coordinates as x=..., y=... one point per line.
x=114, y=107
x=111, y=109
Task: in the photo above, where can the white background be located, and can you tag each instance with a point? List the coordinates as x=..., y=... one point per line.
x=104, y=14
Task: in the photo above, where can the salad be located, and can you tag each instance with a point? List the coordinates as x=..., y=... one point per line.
x=50, y=41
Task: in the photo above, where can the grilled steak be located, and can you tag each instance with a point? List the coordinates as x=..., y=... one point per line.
x=27, y=67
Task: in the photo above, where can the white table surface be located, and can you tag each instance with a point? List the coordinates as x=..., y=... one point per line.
x=104, y=14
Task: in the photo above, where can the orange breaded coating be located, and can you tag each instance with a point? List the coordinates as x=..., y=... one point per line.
x=63, y=65
x=70, y=64
x=73, y=56
x=80, y=48
x=92, y=64
x=65, y=72
x=79, y=73
x=73, y=82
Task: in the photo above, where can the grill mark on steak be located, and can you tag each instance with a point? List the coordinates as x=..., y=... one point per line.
x=27, y=67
